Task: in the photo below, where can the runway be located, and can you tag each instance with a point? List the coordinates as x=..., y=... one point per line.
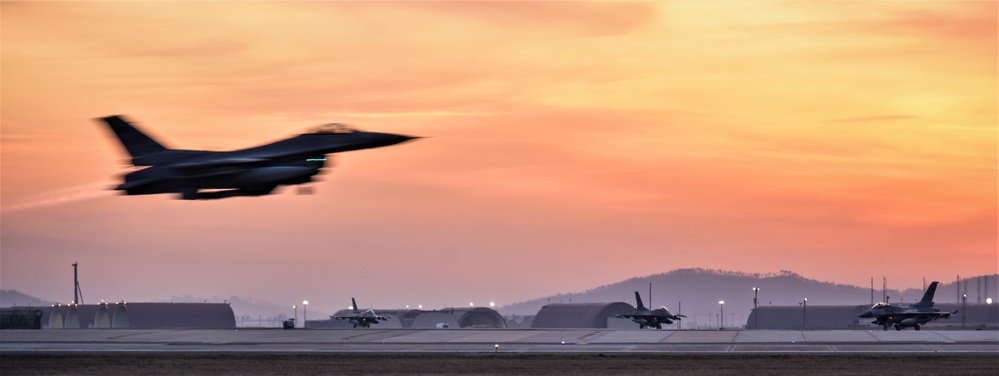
x=517, y=341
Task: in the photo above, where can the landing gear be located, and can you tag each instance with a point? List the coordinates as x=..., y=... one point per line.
x=659, y=326
x=898, y=328
x=641, y=326
x=916, y=327
x=886, y=327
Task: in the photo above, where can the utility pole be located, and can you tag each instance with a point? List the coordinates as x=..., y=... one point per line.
x=979, y=301
x=958, y=288
x=679, y=311
x=650, y=296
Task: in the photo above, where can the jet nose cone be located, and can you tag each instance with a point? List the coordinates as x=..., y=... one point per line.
x=375, y=140
x=393, y=139
x=408, y=138
x=866, y=314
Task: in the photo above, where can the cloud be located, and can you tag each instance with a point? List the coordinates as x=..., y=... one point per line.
x=865, y=119
x=410, y=114
x=588, y=19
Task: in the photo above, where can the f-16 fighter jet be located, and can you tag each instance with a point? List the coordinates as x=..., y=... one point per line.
x=362, y=319
x=900, y=317
x=652, y=318
x=256, y=171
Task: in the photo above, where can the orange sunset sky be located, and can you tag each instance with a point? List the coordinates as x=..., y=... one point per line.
x=569, y=145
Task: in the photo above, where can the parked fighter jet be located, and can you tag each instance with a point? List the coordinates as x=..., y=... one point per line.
x=918, y=313
x=256, y=171
x=363, y=319
x=650, y=317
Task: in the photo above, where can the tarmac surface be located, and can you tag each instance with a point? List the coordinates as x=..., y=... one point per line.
x=518, y=341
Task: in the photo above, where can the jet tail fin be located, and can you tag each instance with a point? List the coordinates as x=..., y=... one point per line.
x=136, y=143
x=638, y=300
x=354, y=304
x=927, y=300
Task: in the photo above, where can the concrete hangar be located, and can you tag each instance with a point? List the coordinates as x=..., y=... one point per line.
x=124, y=315
x=584, y=315
x=572, y=315
x=478, y=318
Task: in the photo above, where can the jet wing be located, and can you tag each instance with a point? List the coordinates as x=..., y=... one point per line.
x=934, y=315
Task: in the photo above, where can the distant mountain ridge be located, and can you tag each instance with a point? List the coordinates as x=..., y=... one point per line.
x=14, y=298
x=696, y=292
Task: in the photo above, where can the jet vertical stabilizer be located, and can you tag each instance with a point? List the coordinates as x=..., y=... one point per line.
x=638, y=301
x=927, y=300
x=137, y=143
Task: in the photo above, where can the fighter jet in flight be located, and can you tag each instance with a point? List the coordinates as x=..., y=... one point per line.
x=918, y=313
x=652, y=318
x=256, y=171
x=363, y=319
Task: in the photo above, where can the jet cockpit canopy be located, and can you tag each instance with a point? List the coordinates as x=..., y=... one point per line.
x=332, y=128
x=880, y=305
x=664, y=308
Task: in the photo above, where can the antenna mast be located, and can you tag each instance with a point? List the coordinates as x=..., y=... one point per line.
x=884, y=288
x=77, y=293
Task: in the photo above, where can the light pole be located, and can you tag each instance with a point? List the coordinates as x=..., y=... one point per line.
x=989, y=302
x=756, y=312
x=964, y=307
x=721, y=320
x=305, y=314
x=295, y=307
x=804, y=314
